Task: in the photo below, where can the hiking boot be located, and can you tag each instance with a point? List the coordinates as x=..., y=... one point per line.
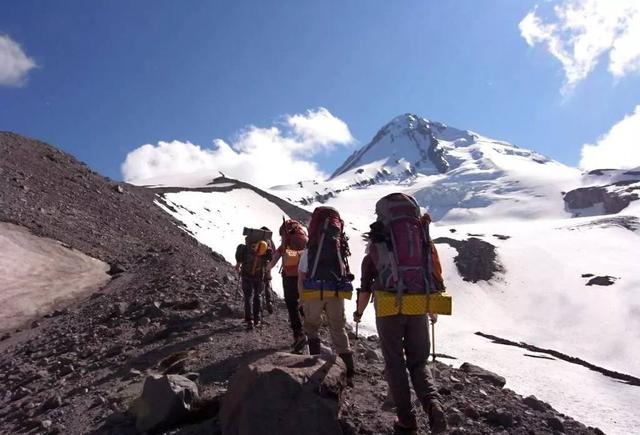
x=299, y=344
x=269, y=307
x=410, y=428
x=257, y=324
x=348, y=362
x=314, y=346
x=249, y=324
x=437, y=418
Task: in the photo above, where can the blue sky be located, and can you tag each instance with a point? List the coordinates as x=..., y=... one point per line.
x=114, y=75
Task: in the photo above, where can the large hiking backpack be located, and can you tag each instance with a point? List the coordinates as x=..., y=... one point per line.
x=294, y=240
x=327, y=252
x=254, y=253
x=401, y=248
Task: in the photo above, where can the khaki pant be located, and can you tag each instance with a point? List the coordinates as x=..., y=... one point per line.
x=334, y=309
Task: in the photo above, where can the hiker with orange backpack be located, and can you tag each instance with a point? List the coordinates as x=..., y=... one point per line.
x=402, y=269
x=294, y=240
x=324, y=282
x=252, y=258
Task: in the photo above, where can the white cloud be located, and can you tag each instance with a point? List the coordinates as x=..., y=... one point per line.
x=619, y=148
x=261, y=156
x=14, y=63
x=580, y=32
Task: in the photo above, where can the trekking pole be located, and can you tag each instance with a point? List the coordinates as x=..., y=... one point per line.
x=238, y=287
x=433, y=340
x=355, y=350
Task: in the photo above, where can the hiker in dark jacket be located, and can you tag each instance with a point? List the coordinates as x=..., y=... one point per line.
x=402, y=306
x=253, y=279
x=404, y=340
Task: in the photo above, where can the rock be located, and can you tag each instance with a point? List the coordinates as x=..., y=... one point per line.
x=483, y=374
x=116, y=269
x=193, y=376
x=164, y=400
x=555, y=423
x=119, y=189
x=187, y=305
x=535, y=404
x=500, y=417
x=154, y=310
x=132, y=374
x=46, y=424
x=372, y=355
x=602, y=280
x=470, y=411
x=454, y=417
x=283, y=393
x=113, y=351
x=52, y=402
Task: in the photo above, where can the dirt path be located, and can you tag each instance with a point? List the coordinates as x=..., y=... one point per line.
x=39, y=273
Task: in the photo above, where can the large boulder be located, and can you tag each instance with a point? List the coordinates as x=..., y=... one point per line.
x=483, y=374
x=285, y=394
x=165, y=400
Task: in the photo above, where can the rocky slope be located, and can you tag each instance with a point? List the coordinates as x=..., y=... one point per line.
x=170, y=307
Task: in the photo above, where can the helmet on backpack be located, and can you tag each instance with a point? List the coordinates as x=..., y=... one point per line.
x=261, y=248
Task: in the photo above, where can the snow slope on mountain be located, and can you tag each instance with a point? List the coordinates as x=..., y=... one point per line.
x=38, y=274
x=458, y=175
x=216, y=219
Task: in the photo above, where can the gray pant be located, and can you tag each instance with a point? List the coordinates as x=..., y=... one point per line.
x=405, y=346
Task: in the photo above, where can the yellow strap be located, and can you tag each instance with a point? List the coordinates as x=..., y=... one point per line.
x=309, y=294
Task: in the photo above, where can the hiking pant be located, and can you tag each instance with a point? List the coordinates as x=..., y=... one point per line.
x=334, y=309
x=267, y=292
x=252, y=289
x=405, y=346
x=290, y=286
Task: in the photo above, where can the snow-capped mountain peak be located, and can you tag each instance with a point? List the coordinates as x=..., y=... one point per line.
x=408, y=144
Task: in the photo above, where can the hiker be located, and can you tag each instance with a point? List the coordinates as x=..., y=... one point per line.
x=252, y=258
x=293, y=241
x=324, y=282
x=268, y=289
x=401, y=268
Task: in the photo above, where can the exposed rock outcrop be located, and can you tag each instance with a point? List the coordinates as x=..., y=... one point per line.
x=285, y=394
x=476, y=260
x=597, y=200
x=164, y=400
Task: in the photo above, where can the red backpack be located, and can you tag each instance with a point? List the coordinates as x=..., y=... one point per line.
x=401, y=249
x=294, y=240
x=328, y=249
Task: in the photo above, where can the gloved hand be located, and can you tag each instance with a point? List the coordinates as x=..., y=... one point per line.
x=433, y=317
x=357, y=317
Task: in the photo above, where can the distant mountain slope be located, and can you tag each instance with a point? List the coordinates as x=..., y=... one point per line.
x=215, y=215
x=458, y=175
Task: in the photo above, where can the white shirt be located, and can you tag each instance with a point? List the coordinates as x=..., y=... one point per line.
x=303, y=265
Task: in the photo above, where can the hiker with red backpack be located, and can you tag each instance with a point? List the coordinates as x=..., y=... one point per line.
x=402, y=270
x=324, y=282
x=294, y=240
x=252, y=258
